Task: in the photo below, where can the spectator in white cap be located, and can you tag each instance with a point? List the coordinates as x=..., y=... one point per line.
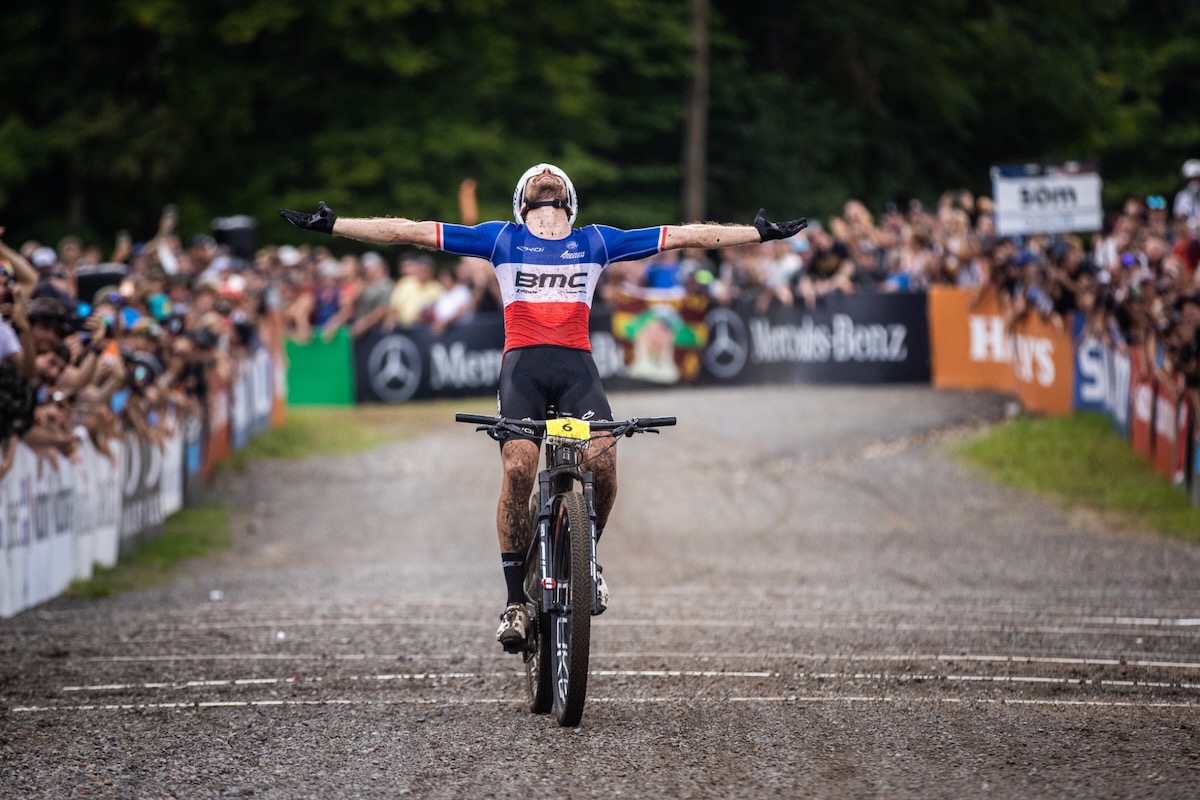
x=1187, y=199
x=44, y=257
x=288, y=256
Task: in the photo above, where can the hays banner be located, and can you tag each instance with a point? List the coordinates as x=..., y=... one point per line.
x=974, y=348
x=860, y=338
x=1047, y=198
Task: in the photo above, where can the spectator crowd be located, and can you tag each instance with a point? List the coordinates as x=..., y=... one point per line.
x=91, y=346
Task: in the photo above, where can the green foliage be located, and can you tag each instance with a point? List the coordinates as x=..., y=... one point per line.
x=112, y=109
x=1082, y=461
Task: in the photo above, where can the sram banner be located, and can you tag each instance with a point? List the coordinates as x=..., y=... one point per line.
x=1102, y=377
x=1047, y=198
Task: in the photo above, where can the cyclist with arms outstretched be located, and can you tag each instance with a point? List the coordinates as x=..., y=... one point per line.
x=548, y=272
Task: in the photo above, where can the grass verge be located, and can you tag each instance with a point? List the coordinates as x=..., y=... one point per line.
x=1082, y=461
x=190, y=533
x=311, y=431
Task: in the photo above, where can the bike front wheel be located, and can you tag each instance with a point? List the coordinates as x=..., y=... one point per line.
x=571, y=618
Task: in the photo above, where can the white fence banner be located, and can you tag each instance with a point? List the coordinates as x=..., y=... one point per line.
x=59, y=519
x=108, y=513
x=171, y=484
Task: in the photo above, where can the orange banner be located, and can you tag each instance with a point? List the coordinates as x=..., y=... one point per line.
x=217, y=447
x=973, y=347
x=1141, y=393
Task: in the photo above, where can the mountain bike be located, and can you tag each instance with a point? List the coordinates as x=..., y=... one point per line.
x=560, y=585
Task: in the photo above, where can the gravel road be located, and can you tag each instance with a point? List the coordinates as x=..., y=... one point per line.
x=810, y=598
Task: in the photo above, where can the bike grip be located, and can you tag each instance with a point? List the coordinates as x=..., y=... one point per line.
x=478, y=419
x=655, y=422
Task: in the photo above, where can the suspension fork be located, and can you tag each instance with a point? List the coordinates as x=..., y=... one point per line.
x=589, y=503
x=558, y=477
x=542, y=541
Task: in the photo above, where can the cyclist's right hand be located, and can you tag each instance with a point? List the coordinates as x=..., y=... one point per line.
x=321, y=222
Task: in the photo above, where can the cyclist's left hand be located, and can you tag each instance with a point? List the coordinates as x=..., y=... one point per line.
x=321, y=222
x=768, y=230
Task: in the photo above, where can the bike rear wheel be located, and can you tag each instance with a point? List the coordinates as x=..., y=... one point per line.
x=538, y=664
x=571, y=618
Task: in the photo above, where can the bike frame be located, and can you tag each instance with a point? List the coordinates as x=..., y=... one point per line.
x=559, y=477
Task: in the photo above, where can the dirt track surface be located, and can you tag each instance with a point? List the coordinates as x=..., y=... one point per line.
x=810, y=598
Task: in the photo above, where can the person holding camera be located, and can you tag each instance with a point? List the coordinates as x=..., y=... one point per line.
x=18, y=279
x=18, y=366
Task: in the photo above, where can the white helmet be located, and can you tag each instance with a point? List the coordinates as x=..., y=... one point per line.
x=1191, y=168
x=519, y=192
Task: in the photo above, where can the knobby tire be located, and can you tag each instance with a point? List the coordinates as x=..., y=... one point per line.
x=570, y=633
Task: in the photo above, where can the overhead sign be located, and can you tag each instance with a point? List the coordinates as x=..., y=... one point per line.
x=1047, y=198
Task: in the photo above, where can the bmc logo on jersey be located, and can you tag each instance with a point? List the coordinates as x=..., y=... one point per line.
x=550, y=280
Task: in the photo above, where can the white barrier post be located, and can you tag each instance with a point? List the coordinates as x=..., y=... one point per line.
x=86, y=502
x=61, y=483
x=107, y=544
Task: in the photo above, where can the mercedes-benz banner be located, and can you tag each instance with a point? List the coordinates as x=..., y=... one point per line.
x=860, y=338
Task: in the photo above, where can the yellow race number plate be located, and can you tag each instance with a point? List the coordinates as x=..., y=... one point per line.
x=568, y=428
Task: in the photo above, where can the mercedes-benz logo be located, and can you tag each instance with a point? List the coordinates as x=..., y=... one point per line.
x=728, y=344
x=394, y=368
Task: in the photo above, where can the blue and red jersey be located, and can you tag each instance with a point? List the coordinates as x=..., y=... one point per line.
x=547, y=285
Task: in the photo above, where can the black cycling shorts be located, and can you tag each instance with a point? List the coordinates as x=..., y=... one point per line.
x=533, y=379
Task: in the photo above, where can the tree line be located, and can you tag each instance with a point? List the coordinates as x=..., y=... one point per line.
x=381, y=107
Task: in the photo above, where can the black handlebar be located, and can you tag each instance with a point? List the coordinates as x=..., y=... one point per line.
x=478, y=419
x=654, y=422
x=629, y=426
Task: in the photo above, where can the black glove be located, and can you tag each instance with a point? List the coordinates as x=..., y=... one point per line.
x=321, y=222
x=768, y=230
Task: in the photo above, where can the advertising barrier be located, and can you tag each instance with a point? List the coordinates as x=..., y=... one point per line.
x=1102, y=379
x=661, y=333
x=858, y=338
x=975, y=347
x=1141, y=410
x=1195, y=471
x=216, y=428
x=1166, y=430
x=664, y=339
x=413, y=364
x=60, y=518
x=319, y=372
